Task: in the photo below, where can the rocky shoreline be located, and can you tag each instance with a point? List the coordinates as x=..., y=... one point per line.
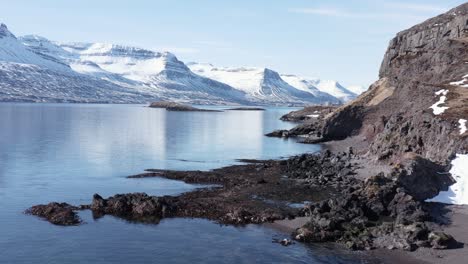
x=381, y=212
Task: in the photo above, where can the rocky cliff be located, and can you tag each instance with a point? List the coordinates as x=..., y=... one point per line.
x=421, y=98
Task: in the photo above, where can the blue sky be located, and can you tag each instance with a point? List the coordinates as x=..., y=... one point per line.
x=343, y=40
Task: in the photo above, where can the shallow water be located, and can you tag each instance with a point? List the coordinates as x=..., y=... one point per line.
x=66, y=152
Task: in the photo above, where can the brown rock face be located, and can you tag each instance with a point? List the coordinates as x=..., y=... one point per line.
x=394, y=114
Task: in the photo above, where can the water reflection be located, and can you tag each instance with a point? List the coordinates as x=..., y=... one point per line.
x=60, y=152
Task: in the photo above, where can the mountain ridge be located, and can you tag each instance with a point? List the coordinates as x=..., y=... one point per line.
x=143, y=75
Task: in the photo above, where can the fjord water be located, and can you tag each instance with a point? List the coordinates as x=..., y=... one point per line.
x=66, y=153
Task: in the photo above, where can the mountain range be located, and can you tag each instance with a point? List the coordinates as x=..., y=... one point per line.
x=35, y=69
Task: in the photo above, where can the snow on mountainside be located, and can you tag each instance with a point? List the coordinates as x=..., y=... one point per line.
x=357, y=89
x=151, y=75
x=157, y=73
x=262, y=84
x=12, y=50
x=34, y=77
x=313, y=85
x=36, y=69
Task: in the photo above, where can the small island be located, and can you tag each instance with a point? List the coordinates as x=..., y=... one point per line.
x=247, y=109
x=173, y=106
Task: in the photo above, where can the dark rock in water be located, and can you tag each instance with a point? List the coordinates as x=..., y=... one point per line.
x=247, y=109
x=284, y=242
x=278, y=133
x=172, y=106
x=98, y=203
x=311, y=130
x=133, y=206
x=56, y=213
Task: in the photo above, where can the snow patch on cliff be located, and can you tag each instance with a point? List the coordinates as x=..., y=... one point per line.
x=462, y=82
x=437, y=108
x=458, y=192
x=462, y=126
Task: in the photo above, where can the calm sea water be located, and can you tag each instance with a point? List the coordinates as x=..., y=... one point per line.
x=65, y=152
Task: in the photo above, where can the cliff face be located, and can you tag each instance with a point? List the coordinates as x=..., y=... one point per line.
x=423, y=65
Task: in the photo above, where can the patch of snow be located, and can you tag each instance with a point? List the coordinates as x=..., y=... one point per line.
x=458, y=192
x=437, y=108
x=462, y=82
x=313, y=116
x=443, y=92
x=462, y=126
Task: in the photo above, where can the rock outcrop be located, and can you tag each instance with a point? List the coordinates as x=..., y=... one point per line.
x=376, y=213
x=309, y=113
x=394, y=114
x=56, y=213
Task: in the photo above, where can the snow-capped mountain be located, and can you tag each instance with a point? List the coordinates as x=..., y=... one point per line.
x=357, y=89
x=29, y=76
x=262, y=85
x=154, y=74
x=325, y=86
x=12, y=50
x=159, y=72
x=33, y=68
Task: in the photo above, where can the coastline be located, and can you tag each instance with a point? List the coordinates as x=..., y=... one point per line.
x=257, y=192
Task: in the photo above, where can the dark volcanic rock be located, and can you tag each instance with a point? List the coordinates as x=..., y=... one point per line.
x=324, y=169
x=439, y=240
x=307, y=112
x=133, y=206
x=283, y=133
x=56, y=213
x=376, y=213
x=421, y=178
x=311, y=130
x=172, y=106
x=305, y=131
x=254, y=193
x=373, y=214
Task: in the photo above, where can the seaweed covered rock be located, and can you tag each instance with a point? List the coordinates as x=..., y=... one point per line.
x=133, y=206
x=56, y=213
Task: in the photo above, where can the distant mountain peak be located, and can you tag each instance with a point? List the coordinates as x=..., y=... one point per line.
x=4, y=32
x=270, y=74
